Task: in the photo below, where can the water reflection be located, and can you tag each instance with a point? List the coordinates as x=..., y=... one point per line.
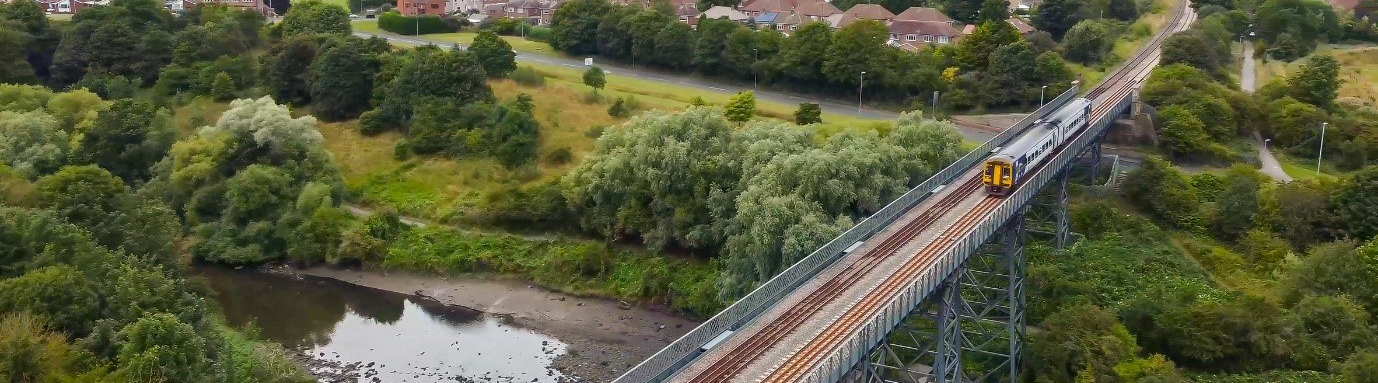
x=407, y=339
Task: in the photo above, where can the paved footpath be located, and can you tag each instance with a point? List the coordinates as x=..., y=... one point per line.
x=1271, y=167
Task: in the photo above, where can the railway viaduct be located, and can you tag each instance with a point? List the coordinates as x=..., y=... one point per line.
x=928, y=289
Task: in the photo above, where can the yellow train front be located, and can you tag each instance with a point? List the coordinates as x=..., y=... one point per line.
x=1008, y=164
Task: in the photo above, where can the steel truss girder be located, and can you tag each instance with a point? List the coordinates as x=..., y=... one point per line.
x=972, y=330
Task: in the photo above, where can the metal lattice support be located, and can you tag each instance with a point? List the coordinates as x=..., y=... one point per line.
x=970, y=331
x=1048, y=214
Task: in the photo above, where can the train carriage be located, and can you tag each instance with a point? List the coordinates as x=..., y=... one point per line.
x=1008, y=164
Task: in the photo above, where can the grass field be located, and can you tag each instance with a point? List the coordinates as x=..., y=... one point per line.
x=518, y=44
x=1358, y=70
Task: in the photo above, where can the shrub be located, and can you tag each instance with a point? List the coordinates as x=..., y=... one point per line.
x=592, y=97
x=401, y=150
x=619, y=108
x=395, y=22
x=527, y=76
x=559, y=156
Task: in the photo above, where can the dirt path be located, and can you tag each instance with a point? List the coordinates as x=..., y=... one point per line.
x=604, y=339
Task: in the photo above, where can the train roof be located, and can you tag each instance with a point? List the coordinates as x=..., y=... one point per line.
x=1041, y=128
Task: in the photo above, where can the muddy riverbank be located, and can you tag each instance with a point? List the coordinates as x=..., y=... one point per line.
x=603, y=338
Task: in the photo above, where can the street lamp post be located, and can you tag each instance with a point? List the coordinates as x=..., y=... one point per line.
x=1321, y=151
x=935, y=103
x=1040, y=96
x=860, y=88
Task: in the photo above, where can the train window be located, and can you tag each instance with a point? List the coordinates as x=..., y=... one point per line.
x=990, y=169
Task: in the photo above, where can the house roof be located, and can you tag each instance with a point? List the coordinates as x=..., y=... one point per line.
x=719, y=11
x=790, y=18
x=1023, y=27
x=686, y=10
x=816, y=8
x=923, y=14
x=767, y=17
x=768, y=6
x=835, y=20
x=931, y=28
x=870, y=12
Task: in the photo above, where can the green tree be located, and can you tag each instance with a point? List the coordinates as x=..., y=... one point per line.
x=851, y=49
x=59, y=292
x=675, y=45
x=1357, y=204
x=711, y=42
x=1338, y=323
x=1362, y=367
x=594, y=78
x=1088, y=42
x=1292, y=123
x=1304, y=213
x=1164, y=191
x=127, y=138
x=1236, y=208
x=1191, y=49
x=808, y=113
x=1337, y=268
x=805, y=51
x=965, y=11
x=14, y=64
x=1080, y=343
x=1183, y=134
x=740, y=107
x=1124, y=10
x=222, y=89
x=75, y=109
x=32, y=143
x=614, y=38
x=973, y=51
x=574, y=26
x=159, y=346
x=739, y=56
x=618, y=108
x=1317, y=82
x=1058, y=16
x=287, y=70
x=494, y=53
x=341, y=81
x=315, y=17
x=1010, y=79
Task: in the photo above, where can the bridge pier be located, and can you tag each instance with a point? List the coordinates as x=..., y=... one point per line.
x=970, y=331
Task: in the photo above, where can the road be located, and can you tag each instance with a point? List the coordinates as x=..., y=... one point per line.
x=828, y=105
x=1270, y=165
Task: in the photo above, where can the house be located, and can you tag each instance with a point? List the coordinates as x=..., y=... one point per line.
x=718, y=12
x=1023, y=27
x=687, y=12
x=766, y=20
x=259, y=6
x=923, y=14
x=911, y=35
x=421, y=7
x=790, y=22
x=463, y=6
x=535, y=12
x=1019, y=25
x=816, y=10
x=863, y=11
x=68, y=6
x=756, y=7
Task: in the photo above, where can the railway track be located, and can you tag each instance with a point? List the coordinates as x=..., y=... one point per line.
x=796, y=368
x=1128, y=68
x=741, y=356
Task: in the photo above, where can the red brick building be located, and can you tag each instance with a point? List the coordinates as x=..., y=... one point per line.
x=421, y=7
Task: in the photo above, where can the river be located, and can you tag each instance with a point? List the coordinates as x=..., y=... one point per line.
x=372, y=335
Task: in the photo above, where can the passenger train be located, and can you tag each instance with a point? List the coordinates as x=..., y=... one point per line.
x=1009, y=164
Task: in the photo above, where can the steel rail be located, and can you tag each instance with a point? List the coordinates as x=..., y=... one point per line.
x=759, y=342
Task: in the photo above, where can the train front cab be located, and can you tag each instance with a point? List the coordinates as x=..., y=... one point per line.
x=998, y=176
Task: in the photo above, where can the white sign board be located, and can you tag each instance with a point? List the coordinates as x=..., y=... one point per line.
x=588, y=61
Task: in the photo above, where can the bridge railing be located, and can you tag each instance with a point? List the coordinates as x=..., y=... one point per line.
x=859, y=344
x=674, y=356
